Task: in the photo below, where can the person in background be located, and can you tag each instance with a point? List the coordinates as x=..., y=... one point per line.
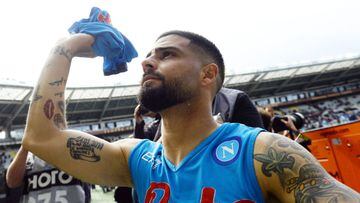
x=149, y=130
x=291, y=132
x=235, y=106
x=265, y=117
x=30, y=179
x=123, y=195
x=295, y=133
x=3, y=188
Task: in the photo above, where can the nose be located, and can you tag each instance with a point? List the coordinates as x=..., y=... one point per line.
x=149, y=63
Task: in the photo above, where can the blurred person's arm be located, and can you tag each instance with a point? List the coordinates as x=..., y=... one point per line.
x=14, y=176
x=296, y=134
x=79, y=154
x=16, y=171
x=287, y=172
x=139, y=124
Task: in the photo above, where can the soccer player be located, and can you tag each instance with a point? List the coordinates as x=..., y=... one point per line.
x=198, y=160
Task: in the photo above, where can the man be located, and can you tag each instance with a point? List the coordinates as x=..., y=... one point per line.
x=198, y=159
x=30, y=179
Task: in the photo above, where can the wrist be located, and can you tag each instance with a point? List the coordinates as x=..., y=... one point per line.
x=296, y=132
x=76, y=45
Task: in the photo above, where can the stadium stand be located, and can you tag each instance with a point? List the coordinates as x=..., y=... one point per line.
x=94, y=108
x=326, y=93
x=7, y=154
x=327, y=113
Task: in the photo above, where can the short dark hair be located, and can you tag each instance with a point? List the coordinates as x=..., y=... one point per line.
x=206, y=46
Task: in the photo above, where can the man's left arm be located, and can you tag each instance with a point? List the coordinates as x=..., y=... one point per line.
x=289, y=173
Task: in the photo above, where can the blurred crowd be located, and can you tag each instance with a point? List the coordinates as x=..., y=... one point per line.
x=326, y=113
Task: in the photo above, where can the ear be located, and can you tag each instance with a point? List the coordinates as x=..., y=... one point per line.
x=209, y=74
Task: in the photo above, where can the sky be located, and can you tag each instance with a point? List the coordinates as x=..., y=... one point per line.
x=252, y=35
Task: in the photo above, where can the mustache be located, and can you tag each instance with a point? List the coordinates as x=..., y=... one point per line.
x=153, y=74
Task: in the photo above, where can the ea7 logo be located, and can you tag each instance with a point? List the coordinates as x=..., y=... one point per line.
x=150, y=158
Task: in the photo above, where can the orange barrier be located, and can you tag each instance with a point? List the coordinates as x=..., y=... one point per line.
x=337, y=148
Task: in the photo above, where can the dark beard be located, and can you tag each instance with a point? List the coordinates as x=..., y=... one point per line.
x=166, y=95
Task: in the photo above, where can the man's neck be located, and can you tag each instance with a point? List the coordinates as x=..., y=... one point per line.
x=184, y=126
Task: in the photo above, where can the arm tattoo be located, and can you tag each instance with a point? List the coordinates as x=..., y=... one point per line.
x=59, y=94
x=58, y=82
x=61, y=106
x=299, y=173
x=84, y=148
x=275, y=162
x=36, y=96
x=59, y=121
x=313, y=186
x=63, y=52
x=49, y=109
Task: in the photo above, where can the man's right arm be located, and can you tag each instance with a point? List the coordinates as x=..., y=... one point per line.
x=79, y=154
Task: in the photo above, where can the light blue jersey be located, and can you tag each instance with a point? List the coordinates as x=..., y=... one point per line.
x=219, y=169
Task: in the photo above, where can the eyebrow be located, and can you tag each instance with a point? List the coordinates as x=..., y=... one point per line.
x=161, y=49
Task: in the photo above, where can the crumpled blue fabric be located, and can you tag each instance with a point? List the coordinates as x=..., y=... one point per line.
x=109, y=43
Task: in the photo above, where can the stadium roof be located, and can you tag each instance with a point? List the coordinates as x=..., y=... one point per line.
x=97, y=104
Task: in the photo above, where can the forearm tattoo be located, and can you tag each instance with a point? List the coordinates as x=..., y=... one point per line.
x=62, y=51
x=59, y=94
x=300, y=175
x=36, y=96
x=49, y=109
x=58, y=82
x=84, y=148
x=59, y=121
x=61, y=106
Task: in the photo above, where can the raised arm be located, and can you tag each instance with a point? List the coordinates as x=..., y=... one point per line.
x=80, y=154
x=287, y=172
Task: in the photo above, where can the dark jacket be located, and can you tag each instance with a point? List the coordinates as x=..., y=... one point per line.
x=235, y=106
